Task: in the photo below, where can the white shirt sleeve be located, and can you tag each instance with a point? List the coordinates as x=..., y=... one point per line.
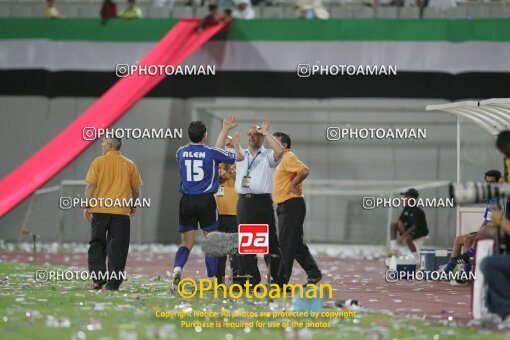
x=270, y=157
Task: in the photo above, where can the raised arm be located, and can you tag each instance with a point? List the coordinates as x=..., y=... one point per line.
x=273, y=142
x=239, y=152
x=229, y=123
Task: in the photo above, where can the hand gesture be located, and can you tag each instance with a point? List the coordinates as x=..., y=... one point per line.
x=236, y=138
x=229, y=123
x=265, y=128
x=132, y=212
x=294, y=188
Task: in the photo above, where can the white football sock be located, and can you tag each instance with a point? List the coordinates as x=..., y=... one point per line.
x=393, y=244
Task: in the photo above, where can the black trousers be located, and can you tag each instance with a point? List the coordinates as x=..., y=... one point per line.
x=291, y=215
x=259, y=210
x=110, y=238
x=227, y=224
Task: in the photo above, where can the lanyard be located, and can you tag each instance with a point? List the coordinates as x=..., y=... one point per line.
x=505, y=166
x=250, y=164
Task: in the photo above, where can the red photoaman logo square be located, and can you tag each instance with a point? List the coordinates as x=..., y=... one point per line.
x=253, y=239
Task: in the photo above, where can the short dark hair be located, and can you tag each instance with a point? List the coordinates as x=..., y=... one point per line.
x=116, y=142
x=503, y=139
x=196, y=131
x=213, y=7
x=285, y=138
x=228, y=11
x=493, y=173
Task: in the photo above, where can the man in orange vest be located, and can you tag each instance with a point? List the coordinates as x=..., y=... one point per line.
x=226, y=200
x=291, y=211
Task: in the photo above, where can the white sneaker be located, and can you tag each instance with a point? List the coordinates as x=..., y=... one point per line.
x=505, y=324
x=176, y=277
x=389, y=252
x=488, y=320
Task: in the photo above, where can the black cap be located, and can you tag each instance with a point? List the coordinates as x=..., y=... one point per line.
x=411, y=193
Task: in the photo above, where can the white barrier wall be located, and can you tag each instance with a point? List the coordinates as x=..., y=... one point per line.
x=32, y=121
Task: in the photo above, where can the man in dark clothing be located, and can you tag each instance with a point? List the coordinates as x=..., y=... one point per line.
x=411, y=224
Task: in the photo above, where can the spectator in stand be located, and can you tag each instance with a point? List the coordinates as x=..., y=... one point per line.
x=108, y=10
x=213, y=18
x=52, y=11
x=227, y=19
x=311, y=9
x=132, y=11
x=244, y=10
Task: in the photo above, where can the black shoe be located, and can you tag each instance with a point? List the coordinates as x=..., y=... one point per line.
x=461, y=259
x=237, y=288
x=281, y=286
x=313, y=280
x=98, y=285
x=111, y=287
x=259, y=290
x=238, y=280
x=463, y=282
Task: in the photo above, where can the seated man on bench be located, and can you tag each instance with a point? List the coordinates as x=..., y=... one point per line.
x=466, y=241
x=411, y=226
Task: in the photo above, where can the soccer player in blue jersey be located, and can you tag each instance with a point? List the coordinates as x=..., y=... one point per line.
x=466, y=241
x=199, y=170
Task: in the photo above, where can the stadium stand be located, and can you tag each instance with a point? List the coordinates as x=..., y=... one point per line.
x=272, y=12
x=201, y=12
x=409, y=13
x=88, y=11
x=339, y=9
x=182, y=12
x=21, y=10
x=5, y=12
x=386, y=12
x=434, y=13
x=158, y=12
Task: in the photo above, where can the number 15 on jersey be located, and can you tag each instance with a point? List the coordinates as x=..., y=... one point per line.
x=194, y=170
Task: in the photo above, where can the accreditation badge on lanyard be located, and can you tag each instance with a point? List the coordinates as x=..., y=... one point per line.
x=221, y=191
x=247, y=179
x=507, y=169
